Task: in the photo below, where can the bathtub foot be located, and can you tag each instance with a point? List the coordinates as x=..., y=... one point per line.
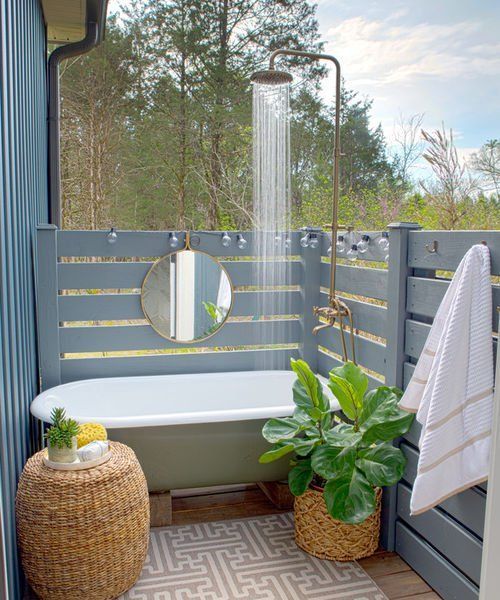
x=160, y=505
x=278, y=492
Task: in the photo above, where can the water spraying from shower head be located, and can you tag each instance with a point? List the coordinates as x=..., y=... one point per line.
x=271, y=77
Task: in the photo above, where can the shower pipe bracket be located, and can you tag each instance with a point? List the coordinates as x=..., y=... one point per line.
x=336, y=310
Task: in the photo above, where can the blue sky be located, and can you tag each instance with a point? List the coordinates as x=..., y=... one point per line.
x=437, y=57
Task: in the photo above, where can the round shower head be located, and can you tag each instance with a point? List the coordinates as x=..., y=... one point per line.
x=271, y=77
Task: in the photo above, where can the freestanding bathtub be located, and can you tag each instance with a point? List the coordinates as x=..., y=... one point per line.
x=188, y=431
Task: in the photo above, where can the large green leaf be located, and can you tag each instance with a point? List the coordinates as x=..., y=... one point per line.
x=350, y=497
x=381, y=419
x=343, y=435
x=277, y=430
x=311, y=384
x=345, y=394
x=382, y=465
x=355, y=376
x=276, y=452
x=376, y=400
x=330, y=461
x=304, y=402
x=303, y=446
x=300, y=477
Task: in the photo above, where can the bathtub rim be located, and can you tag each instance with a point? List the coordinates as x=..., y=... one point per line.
x=41, y=411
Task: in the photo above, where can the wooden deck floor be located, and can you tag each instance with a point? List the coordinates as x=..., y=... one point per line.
x=394, y=577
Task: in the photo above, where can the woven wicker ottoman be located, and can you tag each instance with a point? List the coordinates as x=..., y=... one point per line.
x=83, y=534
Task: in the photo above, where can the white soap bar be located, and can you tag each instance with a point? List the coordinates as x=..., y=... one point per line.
x=94, y=450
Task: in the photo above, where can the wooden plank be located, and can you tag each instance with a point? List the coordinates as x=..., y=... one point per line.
x=416, y=336
x=369, y=354
x=371, y=283
x=367, y=317
x=452, y=246
x=144, y=337
x=468, y=507
x=217, y=499
x=102, y=276
x=127, y=244
x=459, y=546
x=326, y=363
x=408, y=369
x=236, y=511
x=47, y=308
x=400, y=585
x=157, y=243
x=165, y=364
x=130, y=275
x=425, y=295
x=385, y=563
x=395, y=355
x=445, y=579
x=160, y=509
x=118, y=307
x=278, y=493
x=310, y=288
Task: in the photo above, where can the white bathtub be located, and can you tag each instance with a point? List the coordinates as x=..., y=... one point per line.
x=187, y=430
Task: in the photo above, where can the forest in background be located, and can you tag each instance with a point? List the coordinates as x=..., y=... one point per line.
x=156, y=130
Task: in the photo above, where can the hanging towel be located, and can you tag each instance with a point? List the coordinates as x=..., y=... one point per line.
x=452, y=388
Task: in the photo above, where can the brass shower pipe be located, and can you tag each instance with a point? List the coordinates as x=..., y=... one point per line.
x=336, y=310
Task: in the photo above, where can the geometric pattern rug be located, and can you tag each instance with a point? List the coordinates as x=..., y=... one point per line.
x=244, y=559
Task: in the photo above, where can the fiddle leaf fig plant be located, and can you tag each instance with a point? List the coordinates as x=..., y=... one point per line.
x=348, y=456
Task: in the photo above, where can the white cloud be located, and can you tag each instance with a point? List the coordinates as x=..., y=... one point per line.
x=380, y=52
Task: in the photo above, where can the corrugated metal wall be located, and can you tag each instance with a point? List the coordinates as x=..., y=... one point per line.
x=23, y=189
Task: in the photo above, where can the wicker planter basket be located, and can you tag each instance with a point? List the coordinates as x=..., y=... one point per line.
x=319, y=534
x=83, y=535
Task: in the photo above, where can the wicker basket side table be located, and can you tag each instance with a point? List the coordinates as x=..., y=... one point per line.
x=83, y=535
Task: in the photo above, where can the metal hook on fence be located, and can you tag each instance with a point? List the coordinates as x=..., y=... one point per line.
x=432, y=248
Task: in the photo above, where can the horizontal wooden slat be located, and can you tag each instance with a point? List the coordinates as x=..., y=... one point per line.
x=448, y=581
x=369, y=354
x=467, y=507
x=424, y=297
x=450, y=539
x=408, y=369
x=156, y=243
x=367, y=317
x=416, y=336
x=452, y=246
x=143, y=337
x=371, y=283
x=326, y=363
x=201, y=362
x=374, y=253
x=118, y=307
x=130, y=275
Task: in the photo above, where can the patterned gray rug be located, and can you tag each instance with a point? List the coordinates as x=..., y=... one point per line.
x=254, y=559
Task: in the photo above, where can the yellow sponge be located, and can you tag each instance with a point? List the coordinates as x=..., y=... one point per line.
x=90, y=432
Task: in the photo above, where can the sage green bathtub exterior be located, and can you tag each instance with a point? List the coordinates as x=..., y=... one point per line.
x=177, y=457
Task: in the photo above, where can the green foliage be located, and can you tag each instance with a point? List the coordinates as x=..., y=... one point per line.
x=62, y=430
x=347, y=458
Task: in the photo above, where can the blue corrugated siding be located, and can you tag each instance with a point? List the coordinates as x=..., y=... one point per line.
x=23, y=188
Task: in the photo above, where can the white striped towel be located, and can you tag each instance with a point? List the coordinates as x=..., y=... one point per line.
x=452, y=388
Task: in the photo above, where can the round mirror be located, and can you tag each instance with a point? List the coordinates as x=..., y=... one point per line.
x=186, y=296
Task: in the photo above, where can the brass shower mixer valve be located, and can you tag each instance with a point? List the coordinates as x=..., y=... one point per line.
x=337, y=310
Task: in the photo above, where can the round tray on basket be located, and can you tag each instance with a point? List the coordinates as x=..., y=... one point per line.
x=77, y=465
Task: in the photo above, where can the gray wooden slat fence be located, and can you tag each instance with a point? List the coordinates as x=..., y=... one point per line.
x=444, y=544
x=90, y=304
